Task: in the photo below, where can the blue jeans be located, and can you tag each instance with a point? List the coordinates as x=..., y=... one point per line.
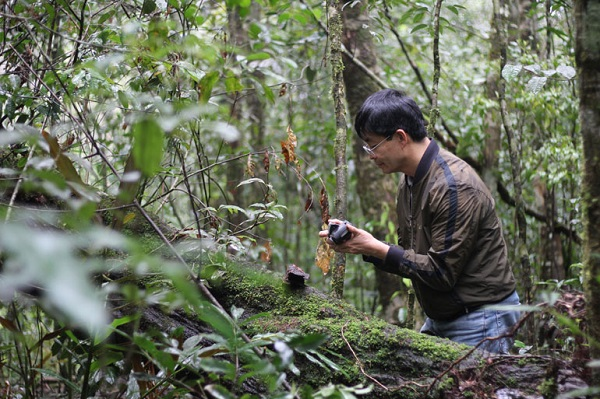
x=482, y=323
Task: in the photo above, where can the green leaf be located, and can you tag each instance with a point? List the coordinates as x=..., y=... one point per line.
x=212, y=365
x=258, y=56
x=190, y=12
x=232, y=82
x=453, y=9
x=148, y=7
x=164, y=359
x=148, y=146
x=218, y=320
x=307, y=342
x=268, y=92
x=419, y=27
x=123, y=99
x=533, y=68
x=113, y=326
x=106, y=16
x=206, y=85
x=509, y=72
x=567, y=71
x=59, y=377
x=219, y=392
x=250, y=181
x=536, y=84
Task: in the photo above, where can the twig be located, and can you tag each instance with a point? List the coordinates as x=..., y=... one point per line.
x=360, y=365
x=435, y=111
x=13, y=197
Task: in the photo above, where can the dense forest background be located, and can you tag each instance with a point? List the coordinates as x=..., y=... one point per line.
x=228, y=126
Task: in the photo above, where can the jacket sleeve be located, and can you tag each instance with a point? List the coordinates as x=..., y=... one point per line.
x=454, y=221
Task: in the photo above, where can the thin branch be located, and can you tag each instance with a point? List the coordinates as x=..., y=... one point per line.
x=435, y=112
x=515, y=162
x=360, y=365
x=81, y=21
x=13, y=197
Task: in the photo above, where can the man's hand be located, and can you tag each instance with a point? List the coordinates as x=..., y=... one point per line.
x=362, y=242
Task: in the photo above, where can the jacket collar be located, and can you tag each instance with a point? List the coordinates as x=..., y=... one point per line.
x=426, y=161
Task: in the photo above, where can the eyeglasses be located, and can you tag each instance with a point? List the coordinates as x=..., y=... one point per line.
x=371, y=150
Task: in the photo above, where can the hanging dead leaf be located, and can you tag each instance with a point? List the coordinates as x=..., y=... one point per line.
x=266, y=161
x=68, y=141
x=288, y=147
x=324, y=255
x=63, y=163
x=265, y=255
x=8, y=324
x=278, y=164
x=324, y=202
x=309, y=202
x=250, y=166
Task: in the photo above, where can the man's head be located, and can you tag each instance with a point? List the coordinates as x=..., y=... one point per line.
x=388, y=110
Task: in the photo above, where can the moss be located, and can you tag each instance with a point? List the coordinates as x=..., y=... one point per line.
x=446, y=384
x=434, y=347
x=547, y=388
x=511, y=382
x=469, y=395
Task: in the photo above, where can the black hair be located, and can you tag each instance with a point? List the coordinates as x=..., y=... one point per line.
x=388, y=110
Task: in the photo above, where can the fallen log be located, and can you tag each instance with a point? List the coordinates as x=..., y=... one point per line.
x=398, y=362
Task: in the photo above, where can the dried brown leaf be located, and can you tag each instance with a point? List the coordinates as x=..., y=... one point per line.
x=266, y=161
x=250, y=167
x=324, y=255
x=288, y=147
x=309, y=202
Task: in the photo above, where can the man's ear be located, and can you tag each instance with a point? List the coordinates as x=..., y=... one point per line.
x=403, y=136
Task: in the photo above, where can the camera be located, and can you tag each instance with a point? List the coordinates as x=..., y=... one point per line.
x=339, y=233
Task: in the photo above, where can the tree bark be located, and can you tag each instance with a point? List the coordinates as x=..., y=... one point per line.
x=341, y=163
x=587, y=54
x=377, y=192
x=493, y=129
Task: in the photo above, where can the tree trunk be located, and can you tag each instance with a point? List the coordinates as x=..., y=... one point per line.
x=523, y=272
x=247, y=107
x=377, y=192
x=493, y=129
x=341, y=163
x=587, y=53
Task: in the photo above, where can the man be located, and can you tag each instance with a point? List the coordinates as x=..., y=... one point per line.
x=450, y=241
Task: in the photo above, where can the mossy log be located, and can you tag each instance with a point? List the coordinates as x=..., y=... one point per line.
x=398, y=362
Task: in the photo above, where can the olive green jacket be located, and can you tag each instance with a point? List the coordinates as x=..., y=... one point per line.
x=450, y=241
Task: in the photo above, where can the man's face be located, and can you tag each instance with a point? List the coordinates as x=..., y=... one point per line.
x=384, y=152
